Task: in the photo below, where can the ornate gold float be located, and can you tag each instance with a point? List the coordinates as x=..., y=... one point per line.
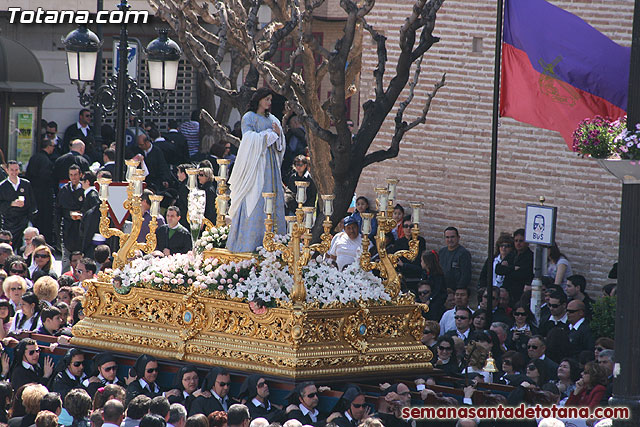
x=295, y=339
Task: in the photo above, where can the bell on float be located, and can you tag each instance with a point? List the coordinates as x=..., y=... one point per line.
x=490, y=364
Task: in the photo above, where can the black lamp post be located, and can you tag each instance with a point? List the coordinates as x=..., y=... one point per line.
x=121, y=93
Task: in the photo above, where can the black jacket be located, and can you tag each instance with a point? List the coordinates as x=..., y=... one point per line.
x=20, y=376
x=64, y=162
x=306, y=419
x=179, y=243
x=135, y=389
x=515, y=280
x=69, y=200
x=206, y=405
x=63, y=384
x=15, y=219
x=272, y=414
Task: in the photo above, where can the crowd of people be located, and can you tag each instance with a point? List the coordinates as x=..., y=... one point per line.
x=553, y=356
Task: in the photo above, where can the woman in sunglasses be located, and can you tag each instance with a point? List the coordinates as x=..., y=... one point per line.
x=523, y=328
x=206, y=182
x=447, y=360
x=350, y=409
x=42, y=260
x=146, y=372
x=69, y=373
x=14, y=287
x=25, y=368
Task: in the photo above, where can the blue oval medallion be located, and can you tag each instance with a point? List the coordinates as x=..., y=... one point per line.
x=362, y=329
x=187, y=316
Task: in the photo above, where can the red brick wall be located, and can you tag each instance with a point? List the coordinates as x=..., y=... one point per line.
x=445, y=163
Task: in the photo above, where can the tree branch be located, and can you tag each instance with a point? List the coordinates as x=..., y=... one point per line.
x=401, y=126
x=220, y=132
x=381, y=50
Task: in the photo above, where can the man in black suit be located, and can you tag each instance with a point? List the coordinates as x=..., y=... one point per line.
x=182, y=199
x=109, y=159
x=172, y=237
x=580, y=336
x=217, y=382
x=40, y=174
x=159, y=174
x=351, y=407
x=104, y=372
x=91, y=198
x=536, y=348
x=558, y=310
x=179, y=141
x=81, y=130
x=68, y=212
x=255, y=391
x=17, y=203
x=73, y=157
x=463, y=324
x=303, y=405
x=25, y=368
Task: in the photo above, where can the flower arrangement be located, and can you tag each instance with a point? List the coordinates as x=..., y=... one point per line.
x=183, y=271
x=601, y=138
x=266, y=281
x=214, y=238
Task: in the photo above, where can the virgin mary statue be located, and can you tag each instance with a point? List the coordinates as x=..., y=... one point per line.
x=256, y=171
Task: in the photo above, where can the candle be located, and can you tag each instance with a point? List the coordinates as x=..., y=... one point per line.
x=131, y=167
x=366, y=223
x=155, y=204
x=383, y=198
x=223, y=171
x=391, y=185
x=301, y=197
x=415, y=212
x=192, y=182
x=328, y=203
x=308, y=216
x=104, y=189
x=291, y=219
x=268, y=202
x=137, y=185
x=223, y=206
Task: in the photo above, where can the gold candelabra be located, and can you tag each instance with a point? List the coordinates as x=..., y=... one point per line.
x=129, y=241
x=388, y=262
x=297, y=253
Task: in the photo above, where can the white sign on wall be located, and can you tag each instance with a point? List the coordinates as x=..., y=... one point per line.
x=132, y=57
x=540, y=225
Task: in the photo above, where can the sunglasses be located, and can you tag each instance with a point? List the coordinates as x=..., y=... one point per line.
x=222, y=384
x=554, y=305
x=77, y=364
x=506, y=246
x=15, y=289
x=461, y=317
x=444, y=348
x=260, y=385
x=50, y=133
x=41, y=256
x=201, y=174
x=5, y=241
x=312, y=395
x=424, y=293
x=506, y=362
x=357, y=405
x=152, y=370
x=79, y=271
x=406, y=225
x=110, y=368
x=299, y=164
x=426, y=331
x=16, y=271
x=519, y=313
x=597, y=348
x=572, y=311
x=531, y=368
x=532, y=347
x=32, y=352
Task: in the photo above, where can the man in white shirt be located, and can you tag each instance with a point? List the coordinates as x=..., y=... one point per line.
x=461, y=299
x=345, y=245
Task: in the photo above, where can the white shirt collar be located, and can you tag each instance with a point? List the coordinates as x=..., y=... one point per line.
x=348, y=416
x=563, y=319
x=27, y=365
x=313, y=414
x=257, y=403
x=144, y=384
x=577, y=324
x=16, y=185
x=88, y=190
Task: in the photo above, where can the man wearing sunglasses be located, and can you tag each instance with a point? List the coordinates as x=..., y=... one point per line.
x=303, y=405
x=352, y=408
x=558, y=309
x=81, y=130
x=105, y=371
x=218, y=383
x=70, y=373
x=256, y=391
x=25, y=368
x=536, y=349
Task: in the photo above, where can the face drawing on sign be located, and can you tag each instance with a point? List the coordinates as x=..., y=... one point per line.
x=538, y=227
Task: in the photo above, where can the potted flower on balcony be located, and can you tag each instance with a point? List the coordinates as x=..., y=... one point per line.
x=613, y=146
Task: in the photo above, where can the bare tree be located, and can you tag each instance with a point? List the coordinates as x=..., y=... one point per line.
x=208, y=30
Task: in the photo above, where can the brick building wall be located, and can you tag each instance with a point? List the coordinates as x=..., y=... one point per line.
x=445, y=163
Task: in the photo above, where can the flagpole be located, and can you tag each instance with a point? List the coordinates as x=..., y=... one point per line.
x=626, y=383
x=494, y=160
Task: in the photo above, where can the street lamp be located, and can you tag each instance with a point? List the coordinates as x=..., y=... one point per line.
x=121, y=93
